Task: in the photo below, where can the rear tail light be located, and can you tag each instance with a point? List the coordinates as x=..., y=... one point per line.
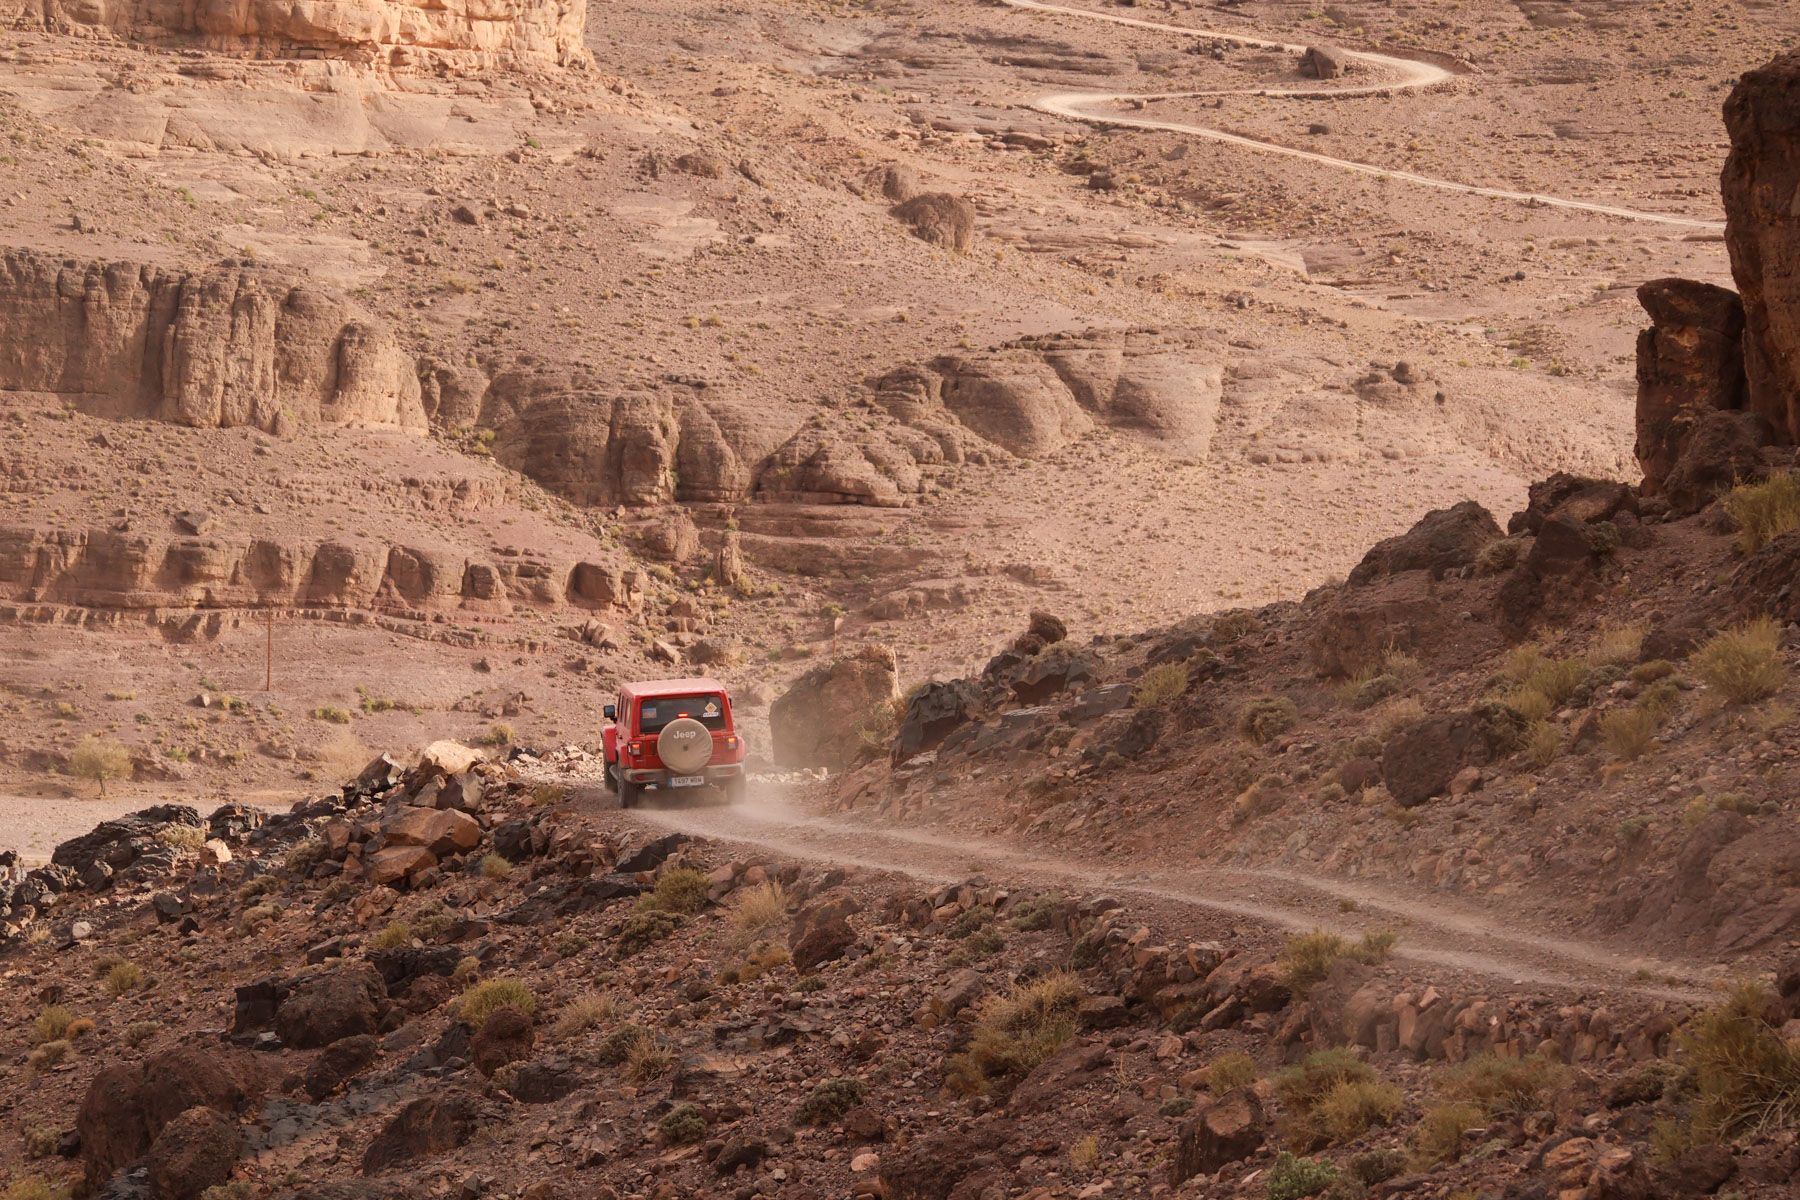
x=634, y=749
x=731, y=743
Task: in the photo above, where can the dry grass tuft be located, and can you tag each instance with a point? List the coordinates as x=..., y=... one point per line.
x=1743, y=664
x=1764, y=511
x=1015, y=1032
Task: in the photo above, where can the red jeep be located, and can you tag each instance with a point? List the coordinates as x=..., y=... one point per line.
x=673, y=733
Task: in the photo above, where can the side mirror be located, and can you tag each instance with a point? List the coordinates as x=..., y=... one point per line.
x=610, y=713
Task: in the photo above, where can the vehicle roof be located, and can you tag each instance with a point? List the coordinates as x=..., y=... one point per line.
x=672, y=687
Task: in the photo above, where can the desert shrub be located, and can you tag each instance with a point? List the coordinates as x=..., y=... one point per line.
x=52, y=1024
x=1654, y=671
x=392, y=936
x=759, y=962
x=1229, y=1072
x=498, y=735
x=495, y=867
x=759, y=908
x=681, y=891
x=1305, y=1084
x=139, y=1032
x=580, y=1015
x=682, y=1125
x=1747, y=1075
x=643, y=928
x=1499, y=556
x=1234, y=626
x=45, y=1056
x=1307, y=957
x=1084, y=1155
x=1541, y=684
x=1397, y=715
x=649, y=1058
x=616, y=1046
x=466, y=971
x=40, y=1141
x=970, y=921
x=1376, y=1166
x=1438, y=1135
x=1015, y=1032
x=1350, y=1109
x=256, y=889
x=1267, y=718
x=1617, y=645
x=1502, y=1087
x=570, y=942
x=1293, y=1178
x=491, y=995
x=829, y=1101
x=1630, y=732
x=331, y=714
x=1543, y=743
x=1034, y=913
x=99, y=760
x=188, y=838
x=1160, y=685
x=1368, y=688
x=1743, y=664
x=122, y=978
x=34, y=1187
x=306, y=854
x=1764, y=511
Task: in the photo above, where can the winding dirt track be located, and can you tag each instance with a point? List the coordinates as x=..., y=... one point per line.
x=1393, y=74
x=1434, y=930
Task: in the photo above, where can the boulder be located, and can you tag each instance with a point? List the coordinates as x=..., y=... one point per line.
x=1050, y=672
x=195, y=1151
x=126, y=1108
x=1689, y=362
x=332, y=1005
x=1557, y=575
x=821, y=933
x=392, y=865
x=1584, y=501
x=940, y=219
x=339, y=1063
x=826, y=717
x=1224, y=1130
x=1721, y=450
x=428, y=1126
x=1420, y=761
x=505, y=1037
x=1445, y=540
x=442, y=831
x=1358, y=626
x=1321, y=62
x=933, y=713
x=1762, y=233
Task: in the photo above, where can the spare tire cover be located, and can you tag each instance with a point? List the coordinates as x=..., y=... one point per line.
x=684, y=745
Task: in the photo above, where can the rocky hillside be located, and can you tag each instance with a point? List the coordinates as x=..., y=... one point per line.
x=451, y=976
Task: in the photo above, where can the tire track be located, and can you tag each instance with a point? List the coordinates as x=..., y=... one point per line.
x=1399, y=75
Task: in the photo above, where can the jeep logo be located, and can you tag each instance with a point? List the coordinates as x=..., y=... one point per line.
x=683, y=735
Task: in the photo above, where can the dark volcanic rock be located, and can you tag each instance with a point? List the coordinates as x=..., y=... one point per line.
x=195, y=1151
x=935, y=712
x=1226, y=1130
x=1721, y=450
x=1441, y=541
x=427, y=1126
x=324, y=1008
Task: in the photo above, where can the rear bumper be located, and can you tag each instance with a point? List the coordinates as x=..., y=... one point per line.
x=659, y=776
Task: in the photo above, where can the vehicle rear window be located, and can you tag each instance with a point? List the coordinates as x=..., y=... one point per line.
x=708, y=709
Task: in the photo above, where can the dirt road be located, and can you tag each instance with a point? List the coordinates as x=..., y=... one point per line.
x=1433, y=930
x=1392, y=74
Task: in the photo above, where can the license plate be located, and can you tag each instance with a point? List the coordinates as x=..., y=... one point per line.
x=687, y=781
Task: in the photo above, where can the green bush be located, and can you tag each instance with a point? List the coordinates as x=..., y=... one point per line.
x=1439, y=1134
x=616, y=1046
x=682, y=1125
x=52, y=1024
x=1350, y=1109
x=1629, y=733
x=99, y=759
x=644, y=928
x=495, y=867
x=123, y=978
x=1376, y=1166
x=491, y=995
x=1307, y=957
x=1293, y=1178
x=829, y=1101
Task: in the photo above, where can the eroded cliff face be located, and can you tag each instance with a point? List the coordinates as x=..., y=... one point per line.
x=405, y=34
x=1762, y=205
x=228, y=346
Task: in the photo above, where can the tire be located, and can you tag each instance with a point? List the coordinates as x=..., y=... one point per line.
x=608, y=779
x=629, y=793
x=736, y=789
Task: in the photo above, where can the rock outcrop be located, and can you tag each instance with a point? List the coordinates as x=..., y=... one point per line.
x=826, y=718
x=131, y=570
x=1762, y=232
x=407, y=34
x=228, y=346
x=1689, y=362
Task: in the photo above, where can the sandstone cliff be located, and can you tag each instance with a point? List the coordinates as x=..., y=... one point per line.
x=227, y=346
x=415, y=34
